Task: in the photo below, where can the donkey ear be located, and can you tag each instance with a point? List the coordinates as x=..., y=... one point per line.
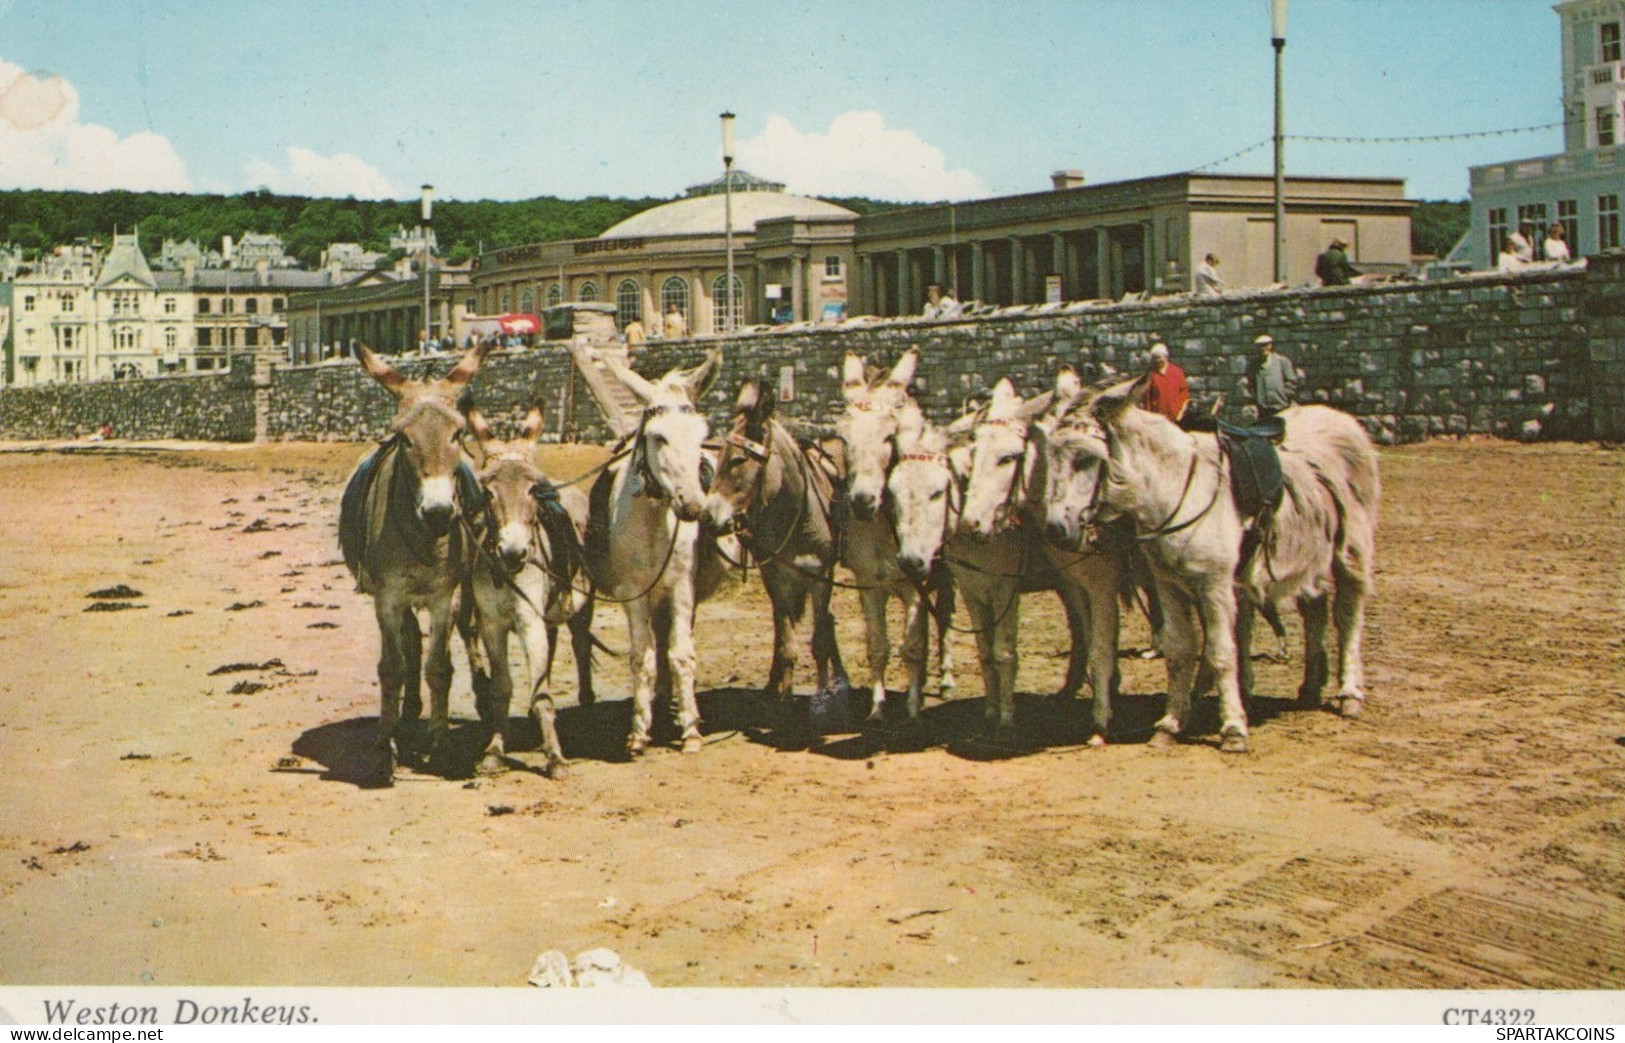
x=532, y=428
x=750, y=395
x=902, y=374
x=852, y=378
x=700, y=378
x=1035, y=407
x=465, y=370
x=1067, y=383
x=640, y=387
x=380, y=370
x=1111, y=404
x=478, y=425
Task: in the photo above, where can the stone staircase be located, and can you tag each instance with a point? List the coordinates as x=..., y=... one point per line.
x=619, y=406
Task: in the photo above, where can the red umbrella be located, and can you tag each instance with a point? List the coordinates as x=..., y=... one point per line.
x=520, y=324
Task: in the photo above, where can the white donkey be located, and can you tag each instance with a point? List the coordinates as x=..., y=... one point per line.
x=868, y=429
x=522, y=573
x=646, y=548
x=992, y=543
x=1004, y=518
x=1176, y=487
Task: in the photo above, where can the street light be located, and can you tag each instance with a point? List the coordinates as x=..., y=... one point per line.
x=728, y=214
x=428, y=222
x=1278, y=41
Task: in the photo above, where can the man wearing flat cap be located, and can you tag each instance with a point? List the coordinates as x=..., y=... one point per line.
x=1333, y=266
x=1275, y=378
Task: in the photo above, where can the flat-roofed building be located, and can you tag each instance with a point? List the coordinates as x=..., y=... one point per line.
x=1581, y=187
x=799, y=259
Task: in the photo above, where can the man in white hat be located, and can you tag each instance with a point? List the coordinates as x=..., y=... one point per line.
x=1275, y=378
x=1169, y=393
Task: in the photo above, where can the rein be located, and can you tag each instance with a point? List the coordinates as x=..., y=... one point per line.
x=1166, y=529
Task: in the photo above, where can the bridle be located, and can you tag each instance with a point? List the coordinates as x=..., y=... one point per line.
x=1167, y=527
x=740, y=523
x=648, y=484
x=1017, y=493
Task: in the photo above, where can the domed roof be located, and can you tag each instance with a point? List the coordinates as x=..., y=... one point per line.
x=703, y=210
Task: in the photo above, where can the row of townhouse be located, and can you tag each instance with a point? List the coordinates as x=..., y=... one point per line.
x=82, y=313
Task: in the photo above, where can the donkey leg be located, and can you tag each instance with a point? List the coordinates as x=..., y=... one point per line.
x=1245, y=679
x=582, y=647
x=788, y=593
x=826, y=649
x=1218, y=608
x=1348, y=609
x=409, y=730
x=944, y=615
x=982, y=618
x=1006, y=659
x=1181, y=646
x=642, y=655
x=683, y=661
x=437, y=674
x=916, y=651
x=393, y=619
x=1077, y=628
x=494, y=715
x=879, y=646
x=1313, y=611
x=537, y=638
x=1272, y=616
x=1103, y=623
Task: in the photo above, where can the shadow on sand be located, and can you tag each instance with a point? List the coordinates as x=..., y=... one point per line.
x=597, y=732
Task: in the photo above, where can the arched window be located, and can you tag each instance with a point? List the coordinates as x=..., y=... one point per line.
x=719, y=293
x=628, y=302
x=675, y=291
x=587, y=291
x=527, y=301
x=554, y=295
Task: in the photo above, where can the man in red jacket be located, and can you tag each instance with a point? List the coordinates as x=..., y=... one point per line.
x=1169, y=393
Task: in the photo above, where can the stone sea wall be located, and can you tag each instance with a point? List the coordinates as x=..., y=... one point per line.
x=1538, y=354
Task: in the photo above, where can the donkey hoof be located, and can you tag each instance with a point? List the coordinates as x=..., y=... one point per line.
x=1098, y=741
x=556, y=770
x=1351, y=706
x=491, y=764
x=947, y=684
x=636, y=747
x=379, y=772
x=1233, y=742
x=1163, y=740
x=693, y=744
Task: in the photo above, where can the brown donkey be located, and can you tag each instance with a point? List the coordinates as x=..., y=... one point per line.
x=399, y=533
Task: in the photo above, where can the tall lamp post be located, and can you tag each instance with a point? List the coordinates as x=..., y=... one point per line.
x=728, y=214
x=428, y=223
x=226, y=309
x=1278, y=41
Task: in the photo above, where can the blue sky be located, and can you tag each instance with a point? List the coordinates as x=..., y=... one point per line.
x=504, y=99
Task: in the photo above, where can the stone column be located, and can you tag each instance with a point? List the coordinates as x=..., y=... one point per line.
x=866, y=287
x=978, y=272
x=903, y=306
x=1018, y=272
x=798, y=287
x=939, y=266
x=1105, y=286
x=1057, y=262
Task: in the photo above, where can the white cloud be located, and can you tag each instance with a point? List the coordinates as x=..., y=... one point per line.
x=858, y=156
x=43, y=144
x=311, y=174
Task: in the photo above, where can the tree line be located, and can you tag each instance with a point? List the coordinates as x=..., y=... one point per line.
x=37, y=219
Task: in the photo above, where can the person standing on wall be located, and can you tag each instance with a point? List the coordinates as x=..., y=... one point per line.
x=676, y=326
x=1556, y=246
x=1274, y=378
x=1523, y=246
x=1333, y=266
x=1208, y=282
x=1168, y=393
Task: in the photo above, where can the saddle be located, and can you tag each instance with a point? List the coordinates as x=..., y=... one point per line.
x=376, y=496
x=1256, y=484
